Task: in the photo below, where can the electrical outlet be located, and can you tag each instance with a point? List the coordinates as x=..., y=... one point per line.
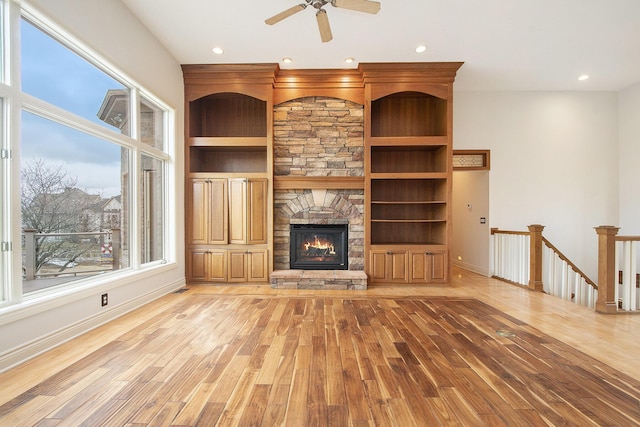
x=105, y=299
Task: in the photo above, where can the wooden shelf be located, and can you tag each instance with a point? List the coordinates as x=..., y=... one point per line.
x=231, y=159
x=408, y=140
x=409, y=159
x=408, y=233
x=318, y=182
x=409, y=114
x=419, y=202
x=227, y=141
x=227, y=114
x=408, y=220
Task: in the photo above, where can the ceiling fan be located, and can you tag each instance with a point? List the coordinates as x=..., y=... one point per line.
x=366, y=6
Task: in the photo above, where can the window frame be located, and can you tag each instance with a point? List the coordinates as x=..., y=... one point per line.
x=14, y=101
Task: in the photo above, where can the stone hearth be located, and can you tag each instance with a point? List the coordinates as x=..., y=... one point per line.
x=319, y=279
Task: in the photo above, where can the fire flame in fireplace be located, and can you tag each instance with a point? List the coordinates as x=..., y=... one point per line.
x=319, y=247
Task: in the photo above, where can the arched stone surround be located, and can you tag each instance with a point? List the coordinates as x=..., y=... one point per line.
x=319, y=207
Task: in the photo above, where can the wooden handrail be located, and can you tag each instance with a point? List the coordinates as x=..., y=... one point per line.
x=520, y=233
x=571, y=264
x=627, y=238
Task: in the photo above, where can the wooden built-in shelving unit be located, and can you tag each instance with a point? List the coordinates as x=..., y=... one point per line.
x=407, y=183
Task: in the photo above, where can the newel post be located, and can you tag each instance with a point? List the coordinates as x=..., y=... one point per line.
x=535, y=257
x=606, y=302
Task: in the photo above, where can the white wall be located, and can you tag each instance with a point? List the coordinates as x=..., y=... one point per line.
x=471, y=238
x=113, y=32
x=630, y=161
x=554, y=161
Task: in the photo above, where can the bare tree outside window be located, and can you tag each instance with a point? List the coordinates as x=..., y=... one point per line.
x=52, y=203
x=68, y=227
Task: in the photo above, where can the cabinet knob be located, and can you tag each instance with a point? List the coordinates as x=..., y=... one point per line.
x=428, y=253
x=389, y=253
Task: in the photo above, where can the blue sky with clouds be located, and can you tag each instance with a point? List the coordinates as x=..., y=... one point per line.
x=55, y=74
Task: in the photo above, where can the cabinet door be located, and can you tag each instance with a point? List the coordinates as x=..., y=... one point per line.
x=389, y=266
x=237, y=210
x=217, y=266
x=256, y=211
x=378, y=266
x=208, y=211
x=198, y=212
x=207, y=265
x=238, y=266
x=218, y=211
x=428, y=267
x=399, y=266
x=197, y=269
x=248, y=266
x=258, y=266
x=438, y=267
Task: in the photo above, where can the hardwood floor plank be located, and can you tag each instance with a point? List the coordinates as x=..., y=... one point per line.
x=468, y=355
x=296, y=413
x=165, y=414
x=210, y=415
x=271, y=360
x=194, y=405
x=459, y=407
x=238, y=400
x=380, y=410
x=335, y=380
x=256, y=406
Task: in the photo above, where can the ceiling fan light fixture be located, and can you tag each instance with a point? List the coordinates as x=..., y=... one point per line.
x=367, y=6
x=323, y=26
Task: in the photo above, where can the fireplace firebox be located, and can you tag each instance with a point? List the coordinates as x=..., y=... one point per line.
x=319, y=247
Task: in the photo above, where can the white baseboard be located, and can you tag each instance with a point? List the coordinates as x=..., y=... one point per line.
x=472, y=268
x=28, y=351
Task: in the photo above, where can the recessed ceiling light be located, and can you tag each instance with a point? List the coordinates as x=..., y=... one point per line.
x=287, y=60
x=218, y=50
x=583, y=77
x=349, y=60
x=421, y=48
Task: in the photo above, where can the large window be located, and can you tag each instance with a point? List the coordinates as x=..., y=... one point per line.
x=92, y=152
x=5, y=220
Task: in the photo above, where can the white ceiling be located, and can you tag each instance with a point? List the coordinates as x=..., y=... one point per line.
x=505, y=44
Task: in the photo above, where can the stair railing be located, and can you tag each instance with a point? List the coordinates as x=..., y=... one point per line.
x=527, y=258
x=618, y=277
x=511, y=256
x=565, y=280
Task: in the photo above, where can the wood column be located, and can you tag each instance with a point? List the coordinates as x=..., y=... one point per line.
x=535, y=257
x=606, y=302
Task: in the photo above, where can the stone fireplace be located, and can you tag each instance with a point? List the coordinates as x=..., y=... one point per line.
x=319, y=138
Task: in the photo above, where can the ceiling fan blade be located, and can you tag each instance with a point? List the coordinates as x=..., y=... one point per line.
x=323, y=26
x=366, y=6
x=285, y=14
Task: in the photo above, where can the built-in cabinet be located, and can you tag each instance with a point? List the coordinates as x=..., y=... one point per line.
x=229, y=161
x=397, y=265
x=408, y=171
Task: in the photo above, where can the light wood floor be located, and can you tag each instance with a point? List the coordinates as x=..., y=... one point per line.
x=478, y=352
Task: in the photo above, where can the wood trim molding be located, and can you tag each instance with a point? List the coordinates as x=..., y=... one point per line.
x=318, y=182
